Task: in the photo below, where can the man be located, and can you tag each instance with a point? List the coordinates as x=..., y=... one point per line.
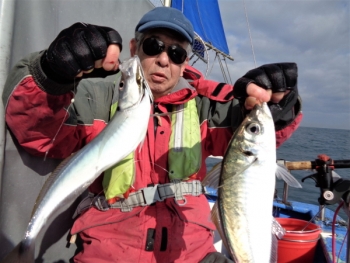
x=52, y=114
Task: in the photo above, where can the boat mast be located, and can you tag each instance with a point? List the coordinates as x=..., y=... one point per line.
x=167, y=3
x=205, y=47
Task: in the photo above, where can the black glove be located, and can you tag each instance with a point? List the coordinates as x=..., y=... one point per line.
x=278, y=77
x=76, y=49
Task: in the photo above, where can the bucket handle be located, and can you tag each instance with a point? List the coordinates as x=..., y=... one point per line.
x=303, y=231
x=301, y=241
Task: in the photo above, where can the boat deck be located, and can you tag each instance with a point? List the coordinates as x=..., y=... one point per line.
x=306, y=212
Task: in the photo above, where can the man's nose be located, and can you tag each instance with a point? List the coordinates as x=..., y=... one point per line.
x=163, y=58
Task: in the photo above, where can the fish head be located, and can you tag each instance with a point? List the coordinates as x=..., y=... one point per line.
x=256, y=135
x=133, y=86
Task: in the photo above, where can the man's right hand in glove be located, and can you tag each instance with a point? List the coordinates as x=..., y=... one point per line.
x=81, y=48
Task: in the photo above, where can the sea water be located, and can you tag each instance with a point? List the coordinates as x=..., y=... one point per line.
x=305, y=145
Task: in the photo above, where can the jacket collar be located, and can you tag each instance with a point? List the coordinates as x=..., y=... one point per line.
x=181, y=93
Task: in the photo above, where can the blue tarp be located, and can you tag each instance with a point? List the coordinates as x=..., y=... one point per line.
x=206, y=19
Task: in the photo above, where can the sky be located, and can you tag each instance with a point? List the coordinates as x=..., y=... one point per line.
x=315, y=34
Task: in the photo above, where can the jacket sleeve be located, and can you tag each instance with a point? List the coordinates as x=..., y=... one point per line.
x=290, y=124
x=51, y=119
x=222, y=93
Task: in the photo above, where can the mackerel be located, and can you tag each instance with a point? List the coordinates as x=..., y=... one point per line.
x=246, y=185
x=122, y=135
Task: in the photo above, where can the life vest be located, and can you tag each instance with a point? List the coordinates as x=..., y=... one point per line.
x=184, y=157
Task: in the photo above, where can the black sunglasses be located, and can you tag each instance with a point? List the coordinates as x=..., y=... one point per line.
x=152, y=47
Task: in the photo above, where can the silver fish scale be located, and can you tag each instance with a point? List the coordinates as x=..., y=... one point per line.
x=121, y=136
x=246, y=195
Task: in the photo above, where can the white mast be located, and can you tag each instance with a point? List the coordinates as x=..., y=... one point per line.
x=167, y=3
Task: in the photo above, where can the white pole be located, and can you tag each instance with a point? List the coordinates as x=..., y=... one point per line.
x=167, y=3
x=7, y=11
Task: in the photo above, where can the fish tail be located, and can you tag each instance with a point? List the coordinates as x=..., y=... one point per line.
x=274, y=249
x=22, y=253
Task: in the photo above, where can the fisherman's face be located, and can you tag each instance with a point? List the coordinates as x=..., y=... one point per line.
x=161, y=73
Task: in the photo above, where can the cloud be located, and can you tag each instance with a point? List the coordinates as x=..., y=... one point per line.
x=313, y=33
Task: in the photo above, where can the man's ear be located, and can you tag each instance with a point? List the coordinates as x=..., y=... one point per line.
x=183, y=66
x=133, y=47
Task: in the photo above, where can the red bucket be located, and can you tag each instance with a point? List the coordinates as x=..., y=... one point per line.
x=297, y=246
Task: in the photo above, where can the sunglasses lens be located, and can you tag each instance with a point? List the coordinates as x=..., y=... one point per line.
x=177, y=54
x=152, y=47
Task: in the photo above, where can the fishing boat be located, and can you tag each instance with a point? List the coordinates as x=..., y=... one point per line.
x=28, y=26
x=333, y=244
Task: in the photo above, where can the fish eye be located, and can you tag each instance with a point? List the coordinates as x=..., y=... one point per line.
x=253, y=128
x=121, y=85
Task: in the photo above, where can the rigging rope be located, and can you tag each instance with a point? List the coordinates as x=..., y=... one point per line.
x=222, y=70
x=228, y=71
x=250, y=35
x=212, y=65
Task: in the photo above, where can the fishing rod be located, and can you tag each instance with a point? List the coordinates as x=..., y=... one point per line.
x=306, y=165
x=332, y=187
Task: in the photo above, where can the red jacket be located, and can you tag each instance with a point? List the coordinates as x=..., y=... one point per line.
x=45, y=122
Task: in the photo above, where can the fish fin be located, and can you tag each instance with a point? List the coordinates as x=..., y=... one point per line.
x=274, y=249
x=277, y=230
x=212, y=178
x=148, y=91
x=283, y=174
x=48, y=183
x=335, y=176
x=20, y=254
x=217, y=222
x=141, y=143
x=215, y=216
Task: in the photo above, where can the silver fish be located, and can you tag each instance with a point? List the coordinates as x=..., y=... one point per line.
x=246, y=185
x=122, y=135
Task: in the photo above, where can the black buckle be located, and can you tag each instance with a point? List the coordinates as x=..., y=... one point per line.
x=150, y=195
